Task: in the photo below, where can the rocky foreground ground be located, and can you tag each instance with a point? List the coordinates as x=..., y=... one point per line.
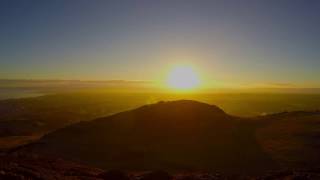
x=40, y=168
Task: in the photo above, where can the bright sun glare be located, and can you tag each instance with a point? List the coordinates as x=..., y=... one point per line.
x=183, y=78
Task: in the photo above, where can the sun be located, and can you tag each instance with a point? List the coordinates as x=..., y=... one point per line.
x=183, y=78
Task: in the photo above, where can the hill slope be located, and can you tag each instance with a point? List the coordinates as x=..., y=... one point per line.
x=177, y=135
x=291, y=138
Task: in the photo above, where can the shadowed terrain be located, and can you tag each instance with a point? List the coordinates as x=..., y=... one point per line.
x=188, y=136
x=291, y=138
x=177, y=135
x=39, y=168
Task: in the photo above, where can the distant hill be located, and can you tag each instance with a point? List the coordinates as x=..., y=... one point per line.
x=177, y=135
x=39, y=115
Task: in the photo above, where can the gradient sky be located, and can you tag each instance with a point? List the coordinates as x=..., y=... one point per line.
x=271, y=42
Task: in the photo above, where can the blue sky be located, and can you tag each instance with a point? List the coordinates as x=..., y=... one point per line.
x=232, y=42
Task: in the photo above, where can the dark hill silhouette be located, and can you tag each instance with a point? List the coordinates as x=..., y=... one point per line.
x=177, y=135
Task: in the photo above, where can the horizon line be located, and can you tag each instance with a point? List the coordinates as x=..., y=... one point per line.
x=246, y=87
